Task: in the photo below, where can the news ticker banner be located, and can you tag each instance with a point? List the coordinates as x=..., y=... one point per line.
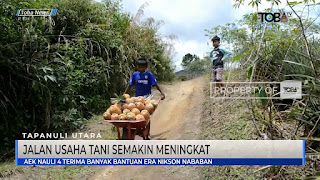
x=160, y=152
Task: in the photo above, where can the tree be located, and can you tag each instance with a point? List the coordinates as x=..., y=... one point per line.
x=198, y=65
x=53, y=76
x=188, y=58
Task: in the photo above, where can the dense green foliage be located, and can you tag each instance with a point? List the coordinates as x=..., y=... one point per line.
x=57, y=71
x=278, y=52
x=274, y=52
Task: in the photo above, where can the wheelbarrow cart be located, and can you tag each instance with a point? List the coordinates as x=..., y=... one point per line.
x=134, y=127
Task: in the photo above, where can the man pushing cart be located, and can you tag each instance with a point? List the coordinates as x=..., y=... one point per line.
x=143, y=81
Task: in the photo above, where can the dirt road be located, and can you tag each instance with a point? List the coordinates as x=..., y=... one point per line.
x=177, y=117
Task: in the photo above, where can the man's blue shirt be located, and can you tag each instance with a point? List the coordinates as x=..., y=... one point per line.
x=143, y=82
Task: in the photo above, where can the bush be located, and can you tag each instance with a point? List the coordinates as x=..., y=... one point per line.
x=56, y=72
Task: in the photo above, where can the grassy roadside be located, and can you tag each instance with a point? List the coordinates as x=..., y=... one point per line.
x=230, y=120
x=8, y=169
x=227, y=120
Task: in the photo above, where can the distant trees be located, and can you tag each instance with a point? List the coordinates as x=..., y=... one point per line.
x=188, y=58
x=194, y=66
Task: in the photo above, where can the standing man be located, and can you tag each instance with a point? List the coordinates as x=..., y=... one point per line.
x=217, y=55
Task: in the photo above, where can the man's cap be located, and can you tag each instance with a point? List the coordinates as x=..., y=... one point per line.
x=215, y=38
x=142, y=61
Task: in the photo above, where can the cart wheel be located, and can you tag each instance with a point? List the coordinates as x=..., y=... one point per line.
x=124, y=134
x=146, y=133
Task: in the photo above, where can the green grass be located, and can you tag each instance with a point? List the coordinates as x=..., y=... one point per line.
x=68, y=172
x=97, y=124
x=227, y=172
x=9, y=167
x=229, y=120
x=234, y=122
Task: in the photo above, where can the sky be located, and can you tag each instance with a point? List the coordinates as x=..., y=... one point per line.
x=188, y=19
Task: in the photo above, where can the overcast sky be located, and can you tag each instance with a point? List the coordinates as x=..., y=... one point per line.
x=187, y=19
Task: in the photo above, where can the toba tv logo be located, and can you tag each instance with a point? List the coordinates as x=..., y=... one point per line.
x=274, y=17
